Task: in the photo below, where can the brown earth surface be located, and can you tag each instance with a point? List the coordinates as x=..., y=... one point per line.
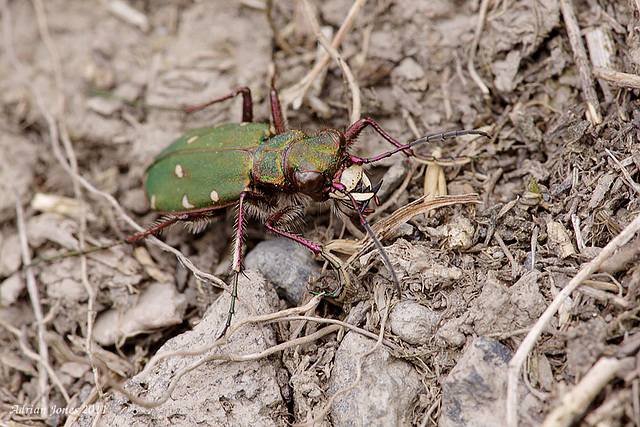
x=557, y=182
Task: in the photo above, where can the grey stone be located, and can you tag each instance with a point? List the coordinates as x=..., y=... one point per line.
x=286, y=264
x=386, y=393
x=216, y=392
x=474, y=392
x=413, y=323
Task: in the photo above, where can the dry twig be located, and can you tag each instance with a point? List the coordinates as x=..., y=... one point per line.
x=484, y=6
x=43, y=352
x=580, y=57
x=515, y=365
x=386, y=226
x=295, y=94
x=321, y=414
x=356, y=107
x=578, y=399
x=73, y=164
x=617, y=78
x=224, y=357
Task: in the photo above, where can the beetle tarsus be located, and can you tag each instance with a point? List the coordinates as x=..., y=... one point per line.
x=343, y=277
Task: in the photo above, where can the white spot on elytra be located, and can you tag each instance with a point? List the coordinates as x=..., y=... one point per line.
x=192, y=139
x=214, y=196
x=244, y=123
x=152, y=202
x=178, y=171
x=185, y=202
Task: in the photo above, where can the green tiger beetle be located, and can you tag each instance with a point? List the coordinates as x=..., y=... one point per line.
x=269, y=172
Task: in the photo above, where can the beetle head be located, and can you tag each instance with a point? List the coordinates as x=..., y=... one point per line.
x=313, y=162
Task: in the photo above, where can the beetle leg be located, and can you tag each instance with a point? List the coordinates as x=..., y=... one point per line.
x=354, y=130
x=155, y=229
x=237, y=248
x=247, y=104
x=276, y=111
x=169, y=220
x=236, y=266
x=316, y=249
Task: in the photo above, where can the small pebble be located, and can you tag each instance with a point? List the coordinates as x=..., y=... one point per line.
x=413, y=323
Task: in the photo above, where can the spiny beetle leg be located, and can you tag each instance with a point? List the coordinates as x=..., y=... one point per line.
x=156, y=228
x=187, y=217
x=247, y=104
x=343, y=277
x=236, y=266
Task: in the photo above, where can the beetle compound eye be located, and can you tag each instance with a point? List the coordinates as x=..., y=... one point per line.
x=309, y=182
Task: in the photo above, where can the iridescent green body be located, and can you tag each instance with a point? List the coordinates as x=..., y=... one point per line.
x=210, y=167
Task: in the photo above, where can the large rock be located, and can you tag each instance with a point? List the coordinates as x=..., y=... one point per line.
x=216, y=392
x=386, y=393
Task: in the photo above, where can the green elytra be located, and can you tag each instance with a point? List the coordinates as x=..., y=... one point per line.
x=210, y=167
x=206, y=167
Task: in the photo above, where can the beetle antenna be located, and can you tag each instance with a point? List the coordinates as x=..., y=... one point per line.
x=446, y=135
x=383, y=253
x=438, y=137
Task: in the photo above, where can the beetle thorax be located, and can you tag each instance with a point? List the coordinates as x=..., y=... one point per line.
x=268, y=169
x=311, y=163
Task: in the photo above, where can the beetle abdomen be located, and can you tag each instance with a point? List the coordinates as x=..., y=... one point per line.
x=206, y=168
x=222, y=136
x=195, y=180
